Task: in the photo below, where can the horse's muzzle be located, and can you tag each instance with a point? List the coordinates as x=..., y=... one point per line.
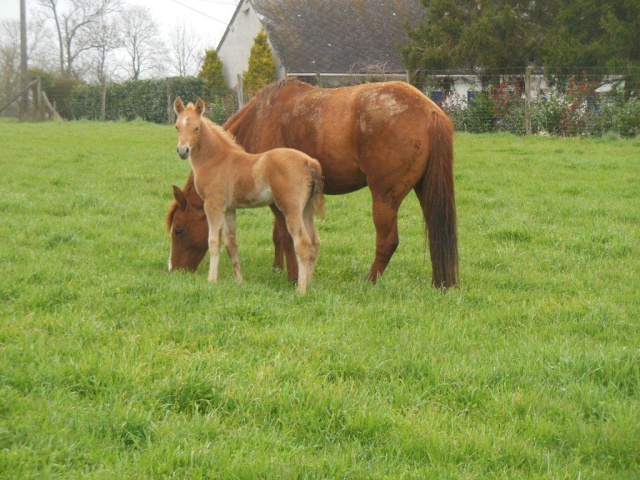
x=183, y=152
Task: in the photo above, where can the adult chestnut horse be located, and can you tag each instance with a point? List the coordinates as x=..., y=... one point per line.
x=387, y=136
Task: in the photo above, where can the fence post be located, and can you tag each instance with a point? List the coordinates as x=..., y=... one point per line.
x=37, y=109
x=103, y=106
x=527, y=100
x=170, y=119
x=240, y=93
x=24, y=69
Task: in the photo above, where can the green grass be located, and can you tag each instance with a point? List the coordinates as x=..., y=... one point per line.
x=112, y=368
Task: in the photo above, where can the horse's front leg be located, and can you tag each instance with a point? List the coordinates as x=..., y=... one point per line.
x=215, y=219
x=230, y=243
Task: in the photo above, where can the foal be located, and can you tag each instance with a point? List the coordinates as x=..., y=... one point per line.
x=227, y=178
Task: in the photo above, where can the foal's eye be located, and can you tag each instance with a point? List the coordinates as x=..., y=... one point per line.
x=197, y=129
x=178, y=231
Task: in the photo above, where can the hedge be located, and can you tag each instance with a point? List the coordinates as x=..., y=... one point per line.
x=148, y=100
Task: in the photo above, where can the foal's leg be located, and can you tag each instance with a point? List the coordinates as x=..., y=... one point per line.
x=313, y=236
x=215, y=219
x=278, y=261
x=302, y=246
x=230, y=242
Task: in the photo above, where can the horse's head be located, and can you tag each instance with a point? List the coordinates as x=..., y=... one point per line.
x=187, y=225
x=188, y=125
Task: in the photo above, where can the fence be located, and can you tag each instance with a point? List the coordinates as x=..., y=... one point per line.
x=524, y=102
x=529, y=102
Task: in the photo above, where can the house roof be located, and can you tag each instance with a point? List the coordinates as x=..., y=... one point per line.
x=339, y=36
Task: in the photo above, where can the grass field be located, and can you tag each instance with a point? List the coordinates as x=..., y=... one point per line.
x=112, y=368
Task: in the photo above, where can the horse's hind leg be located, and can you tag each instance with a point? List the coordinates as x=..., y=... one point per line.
x=230, y=243
x=385, y=219
x=283, y=245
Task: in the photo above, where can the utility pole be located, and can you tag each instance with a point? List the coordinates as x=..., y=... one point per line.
x=24, y=70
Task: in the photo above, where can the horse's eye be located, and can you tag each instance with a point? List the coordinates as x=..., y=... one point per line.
x=197, y=129
x=178, y=231
x=176, y=127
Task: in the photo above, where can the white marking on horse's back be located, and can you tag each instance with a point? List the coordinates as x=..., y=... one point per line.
x=391, y=105
x=380, y=106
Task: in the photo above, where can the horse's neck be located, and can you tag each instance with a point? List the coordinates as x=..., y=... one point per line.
x=214, y=144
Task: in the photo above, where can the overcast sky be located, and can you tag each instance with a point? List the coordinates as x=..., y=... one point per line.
x=209, y=17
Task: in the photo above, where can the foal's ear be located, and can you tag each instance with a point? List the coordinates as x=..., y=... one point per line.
x=200, y=106
x=178, y=106
x=180, y=198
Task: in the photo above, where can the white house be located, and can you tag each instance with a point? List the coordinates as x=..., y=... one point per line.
x=330, y=42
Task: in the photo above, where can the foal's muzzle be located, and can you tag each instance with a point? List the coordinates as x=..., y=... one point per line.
x=183, y=152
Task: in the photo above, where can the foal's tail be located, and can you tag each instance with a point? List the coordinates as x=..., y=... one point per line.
x=317, y=187
x=438, y=202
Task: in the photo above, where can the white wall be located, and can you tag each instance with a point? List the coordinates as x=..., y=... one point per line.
x=235, y=49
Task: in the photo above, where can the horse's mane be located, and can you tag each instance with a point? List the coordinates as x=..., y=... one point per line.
x=262, y=96
x=230, y=138
x=273, y=88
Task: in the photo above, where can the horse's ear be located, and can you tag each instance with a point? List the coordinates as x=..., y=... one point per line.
x=200, y=106
x=178, y=106
x=180, y=198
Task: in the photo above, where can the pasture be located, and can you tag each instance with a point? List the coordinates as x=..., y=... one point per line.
x=110, y=367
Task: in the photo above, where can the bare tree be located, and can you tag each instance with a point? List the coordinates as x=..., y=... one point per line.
x=185, y=51
x=41, y=42
x=36, y=46
x=9, y=59
x=141, y=41
x=104, y=41
x=74, y=28
x=10, y=54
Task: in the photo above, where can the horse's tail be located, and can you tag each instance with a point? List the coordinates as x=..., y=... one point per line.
x=317, y=187
x=438, y=202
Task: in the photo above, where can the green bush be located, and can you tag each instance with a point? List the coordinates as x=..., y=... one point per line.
x=569, y=113
x=222, y=105
x=211, y=73
x=60, y=94
x=626, y=118
x=546, y=115
x=478, y=117
x=262, y=67
x=150, y=100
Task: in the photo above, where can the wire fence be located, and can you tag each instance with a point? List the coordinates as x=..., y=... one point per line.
x=525, y=102
x=530, y=102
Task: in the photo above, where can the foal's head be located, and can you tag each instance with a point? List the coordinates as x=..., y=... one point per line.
x=188, y=125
